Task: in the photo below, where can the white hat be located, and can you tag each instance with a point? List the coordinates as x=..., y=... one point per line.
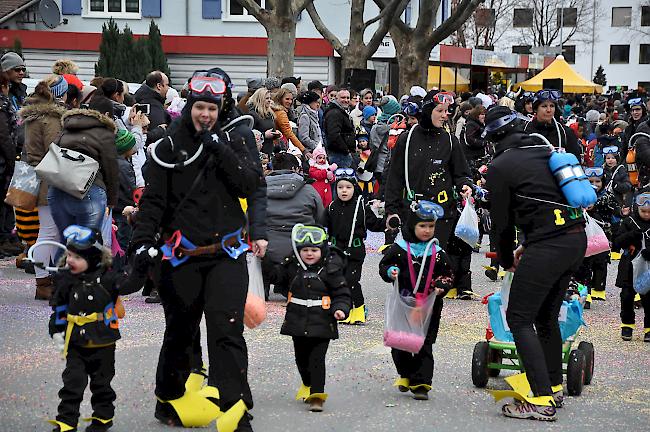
x=171, y=94
x=417, y=91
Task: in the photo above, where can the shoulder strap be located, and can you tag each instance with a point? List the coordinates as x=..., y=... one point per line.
x=354, y=221
x=611, y=181
x=406, y=161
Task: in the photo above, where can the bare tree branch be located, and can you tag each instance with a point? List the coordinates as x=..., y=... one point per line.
x=393, y=12
x=464, y=11
x=323, y=30
x=398, y=23
x=255, y=10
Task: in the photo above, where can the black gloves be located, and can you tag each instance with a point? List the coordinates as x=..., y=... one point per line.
x=645, y=253
x=210, y=140
x=143, y=259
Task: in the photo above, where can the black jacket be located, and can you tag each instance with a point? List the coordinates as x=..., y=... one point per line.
x=607, y=211
x=629, y=131
x=642, y=145
x=397, y=256
x=157, y=113
x=516, y=179
x=472, y=140
x=437, y=166
x=339, y=217
x=568, y=139
x=620, y=183
x=339, y=130
x=212, y=208
x=127, y=185
x=629, y=238
x=263, y=124
x=85, y=294
x=8, y=128
x=323, y=279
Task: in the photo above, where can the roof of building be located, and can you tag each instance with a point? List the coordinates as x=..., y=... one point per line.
x=8, y=6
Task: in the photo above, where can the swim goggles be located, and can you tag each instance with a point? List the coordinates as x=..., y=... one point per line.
x=500, y=122
x=440, y=98
x=635, y=102
x=594, y=172
x=544, y=95
x=345, y=173
x=610, y=150
x=212, y=87
x=427, y=210
x=643, y=200
x=306, y=235
x=411, y=109
x=80, y=237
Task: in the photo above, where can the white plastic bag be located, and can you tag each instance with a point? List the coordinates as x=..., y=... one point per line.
x=467, y=226
x=641, y=273
x=406, y=320
x=597, y=241
x=255, y=308
x=505, y=289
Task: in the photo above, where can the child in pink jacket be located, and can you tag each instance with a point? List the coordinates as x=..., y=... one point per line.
x=322, y=173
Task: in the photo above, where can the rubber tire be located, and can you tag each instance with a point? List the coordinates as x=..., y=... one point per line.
x=588, y=349
x=575, y=373
x=480, y=375
x=494, y=357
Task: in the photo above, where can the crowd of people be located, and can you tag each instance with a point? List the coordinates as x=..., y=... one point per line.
x=187, y=181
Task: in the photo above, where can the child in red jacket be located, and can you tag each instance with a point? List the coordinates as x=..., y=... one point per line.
x=322, y=173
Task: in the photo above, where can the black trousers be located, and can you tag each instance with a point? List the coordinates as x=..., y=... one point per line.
x=627, y=306
x=461, y=262
x=216, y=288
x=353, y=278
x=538, y=289
x=310, y=358
x=593, y=272
x=444, y=229
x=98, y=364
x=418, y=368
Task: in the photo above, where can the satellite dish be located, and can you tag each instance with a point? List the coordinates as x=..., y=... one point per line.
x=50, y=13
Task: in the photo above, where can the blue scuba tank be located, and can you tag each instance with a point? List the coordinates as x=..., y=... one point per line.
x=572, y=180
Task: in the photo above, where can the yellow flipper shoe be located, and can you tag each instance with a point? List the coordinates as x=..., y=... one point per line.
x=637, y=297
x=402, y=384
x=321, y=396
x=228, y=421
x=452, y=294
x=194, y=409
x=63, y=426
x=303, y=392
x=557, y=388
x=598, y=295
x=358, y=315
x=194, y=382
x=615, y=256
x=521, y=392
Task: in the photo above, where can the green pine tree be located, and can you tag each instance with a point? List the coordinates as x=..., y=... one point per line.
x=157, y=55
x=143, y=55
x=106, y=65
x=600, y=77
x=126, y=57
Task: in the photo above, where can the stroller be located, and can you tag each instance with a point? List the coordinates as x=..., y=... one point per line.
x=498, y=351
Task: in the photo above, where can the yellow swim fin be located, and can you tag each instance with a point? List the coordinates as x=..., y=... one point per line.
x=321, y=396
x=358, y=315
x=427, y=387
x=194, y=382
x=521, y=391
x=194, y=409
x=402, y=384
x=89, y=419
x=557, y=388
x=598, y=295
x=637, y=297
x=63, y=426
x=228, y=421
x=303, y=392
x=452, y=294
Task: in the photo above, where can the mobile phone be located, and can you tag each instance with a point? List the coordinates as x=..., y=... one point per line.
x=277, y=133
x=143, y=108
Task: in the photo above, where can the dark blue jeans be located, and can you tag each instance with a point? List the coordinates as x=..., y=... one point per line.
x=68, y=210
x=340, y=159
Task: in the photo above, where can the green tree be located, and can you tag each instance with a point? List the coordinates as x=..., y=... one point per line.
x=18, y=48
x=143, y=57
x=157, y=56
x=600, y=77
x=107, y=64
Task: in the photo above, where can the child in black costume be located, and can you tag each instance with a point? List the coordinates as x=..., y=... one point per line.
x=84, y=325
x=633, y=234
x=348, y=218
x=402, y=262
x=318, y=296
x=607, y=213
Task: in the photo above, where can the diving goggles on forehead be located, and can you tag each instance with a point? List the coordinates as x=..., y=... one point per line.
x=440, y=98
x=427, y=210
x=528, y=95
x=610, y=150
x=80, y=237
x=635, y=102
x=344, y=173
x=202, y=85
x=543, y=95
x=594, y=172
x=500, y=122
x=643, y=200
x=308, y=234
x=410, y=108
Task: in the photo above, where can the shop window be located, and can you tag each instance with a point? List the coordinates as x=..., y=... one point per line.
x=569, y=53
x=621, y=16
x=645, y=16
x=644, y=54
x=236, y=12
x=522, y=18
x=521, y=49
x=485, y=18
x=619, y=54
x=567, y=17
x=112, y=8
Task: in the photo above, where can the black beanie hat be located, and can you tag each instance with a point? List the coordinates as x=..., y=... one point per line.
x=308, y=97
x=494, y=114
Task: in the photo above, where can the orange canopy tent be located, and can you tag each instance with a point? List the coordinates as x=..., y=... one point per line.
x=573, y=83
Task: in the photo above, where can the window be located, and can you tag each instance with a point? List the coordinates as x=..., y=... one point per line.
x=567, y=17
x=645, y=16
x=619, y=54
x=569, y=53
x=408, y=13
x=485, y=18
x=621, y=16
x=236, y=12
x=522, y=18
x=113, y=8
x=644, y=54
x=521, y=49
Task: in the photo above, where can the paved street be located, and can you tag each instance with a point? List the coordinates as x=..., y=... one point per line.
x=360, y=371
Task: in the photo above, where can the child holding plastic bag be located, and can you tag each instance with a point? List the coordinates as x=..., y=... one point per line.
x=606, y=213
x=633, y=238
x=318, y=296
x=403, y=262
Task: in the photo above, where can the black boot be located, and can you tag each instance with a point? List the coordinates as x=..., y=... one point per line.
x=97, y=426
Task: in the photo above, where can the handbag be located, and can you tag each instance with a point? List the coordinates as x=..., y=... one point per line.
x=24, y=187
x=68, y=170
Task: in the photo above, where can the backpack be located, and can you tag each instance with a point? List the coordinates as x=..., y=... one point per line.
x=630, y=159
x=397, y=126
